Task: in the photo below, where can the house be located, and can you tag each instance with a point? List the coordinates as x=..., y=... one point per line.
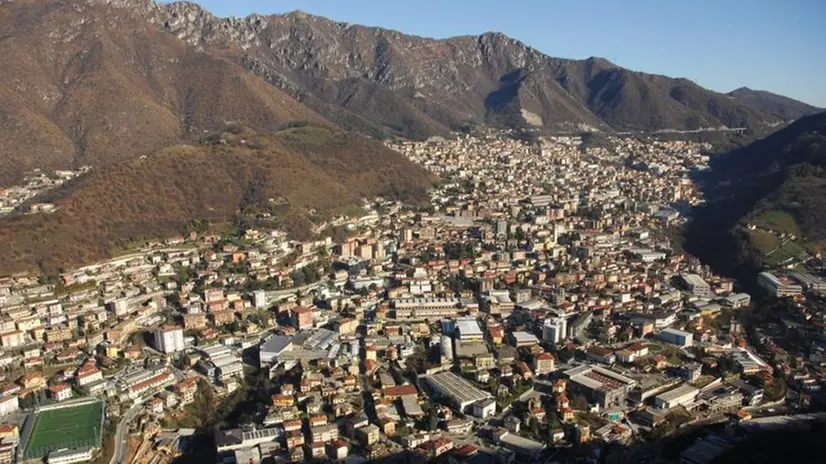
x=601, y=355
x=437, y=447
x=88, y=374
x=544, y=363
x=32, y=380
x=186, y=390
x=60, y=392
x=337, y=450
x=368, y=434
x=155, y=405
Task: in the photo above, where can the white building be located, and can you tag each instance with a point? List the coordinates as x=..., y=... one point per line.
x=259, y=299
x=680, y=396
x=169, y=339
x=9, y=404
x=468, y=330
x=554, y=330
x=677, y=337
x=69, y=456
x=696, y=285
x=777, y=286
x=485, y=408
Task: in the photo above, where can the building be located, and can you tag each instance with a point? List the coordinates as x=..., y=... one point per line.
x=600, y=385
x=270, y=351
x=169, y=339
x=60, y=392
x=554, y=330
x=522, y=447
x=302, y=318
x=748, y=362
x=601, y=355
x=752, y=395
x=324, y=433
x=683, y=395
x=484, y=408
x=419, y=309
x=523, y=339
x=69, y=456
x=778, y=286
x=809, y=281
x=12, y=339
x=9, y=404
x=691, y=371
x=705, y=450
x=457, y=390
x=368, y=435
x=737, y=300
x=696, y=285
x=88, y=375
x=677, y=337
x=497, y=303
x=235, y=439
x=544, y=363
x=467, y=329
x=259, y=299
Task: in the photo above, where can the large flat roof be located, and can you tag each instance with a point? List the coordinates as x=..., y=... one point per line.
x=468, y=326
x=683, y=390
x=457, y=388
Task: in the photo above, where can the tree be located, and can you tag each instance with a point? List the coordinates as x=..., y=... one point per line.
x=205, y=405
x=579, y=402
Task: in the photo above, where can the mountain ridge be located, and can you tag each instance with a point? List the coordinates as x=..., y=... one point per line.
x=773, y=103
x=378, y=56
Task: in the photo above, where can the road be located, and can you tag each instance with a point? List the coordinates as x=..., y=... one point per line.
x=121, y=436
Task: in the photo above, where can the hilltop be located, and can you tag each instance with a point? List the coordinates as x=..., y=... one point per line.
x=783, y=107
x=284, y=176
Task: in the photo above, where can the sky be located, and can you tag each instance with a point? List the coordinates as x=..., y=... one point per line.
x=774, y=45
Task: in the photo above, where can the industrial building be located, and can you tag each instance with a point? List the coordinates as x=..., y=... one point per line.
x=809, y=281
x=737, y=300
x=468, y=330
x=461, y=393
x=677, y=337
x=683, y=395
x=600, y=385
x=778, y=286
x=696, y=285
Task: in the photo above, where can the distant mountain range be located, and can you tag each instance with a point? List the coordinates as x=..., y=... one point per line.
x=97, y=81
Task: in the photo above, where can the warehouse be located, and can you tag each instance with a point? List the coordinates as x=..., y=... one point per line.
x=455, y=389
x=600, y=385
x=469, y=330
x=680, y=396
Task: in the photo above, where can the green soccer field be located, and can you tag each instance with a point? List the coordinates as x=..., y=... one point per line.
x=73, y=427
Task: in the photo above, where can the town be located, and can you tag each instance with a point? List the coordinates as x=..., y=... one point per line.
x=539, y=308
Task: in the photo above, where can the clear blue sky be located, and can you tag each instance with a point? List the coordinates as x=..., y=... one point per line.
x=775, y=45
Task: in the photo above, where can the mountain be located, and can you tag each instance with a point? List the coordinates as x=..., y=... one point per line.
x=778, y=105
x=778, y=186
x=97, y=81
x=282, y=179
x=90, y=83
x=385, y=82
